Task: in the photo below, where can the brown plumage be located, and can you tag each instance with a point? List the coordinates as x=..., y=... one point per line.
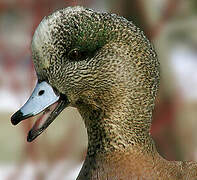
x=104, y=66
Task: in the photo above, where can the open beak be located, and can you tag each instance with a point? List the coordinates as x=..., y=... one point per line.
x=45, y=101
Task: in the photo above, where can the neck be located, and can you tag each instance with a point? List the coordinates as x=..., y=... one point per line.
x=117, y=132
x=120, y=125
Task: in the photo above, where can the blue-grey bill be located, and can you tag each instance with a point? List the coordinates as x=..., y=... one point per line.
x=45, y=101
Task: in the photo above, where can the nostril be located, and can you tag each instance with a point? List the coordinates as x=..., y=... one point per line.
x=41, y=92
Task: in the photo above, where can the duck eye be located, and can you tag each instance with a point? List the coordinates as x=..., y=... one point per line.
x=74, y=54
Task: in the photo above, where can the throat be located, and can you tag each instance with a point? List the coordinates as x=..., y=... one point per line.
x=115, y=133
x=111, y=131
x=112, y=146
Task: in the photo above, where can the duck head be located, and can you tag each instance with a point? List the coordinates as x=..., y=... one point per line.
x=89, y=60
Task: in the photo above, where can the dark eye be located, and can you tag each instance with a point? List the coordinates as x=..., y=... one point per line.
x=74, y=54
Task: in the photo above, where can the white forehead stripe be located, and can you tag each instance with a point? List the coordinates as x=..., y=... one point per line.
x=42, y=34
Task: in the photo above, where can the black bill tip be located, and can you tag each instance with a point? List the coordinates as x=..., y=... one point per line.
x=16, y=117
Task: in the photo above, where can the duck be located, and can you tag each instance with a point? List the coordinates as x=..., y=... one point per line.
x=103, y=65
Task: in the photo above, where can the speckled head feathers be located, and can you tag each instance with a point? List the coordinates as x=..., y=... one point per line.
x=42, y=34
x=99, y=60
x=76, y=37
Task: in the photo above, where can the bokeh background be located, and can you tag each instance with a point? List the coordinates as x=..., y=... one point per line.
x=59, y=152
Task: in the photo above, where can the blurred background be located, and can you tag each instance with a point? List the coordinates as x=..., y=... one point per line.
x=59, y=152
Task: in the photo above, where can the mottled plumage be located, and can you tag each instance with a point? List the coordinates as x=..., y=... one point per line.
x=107, y=69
